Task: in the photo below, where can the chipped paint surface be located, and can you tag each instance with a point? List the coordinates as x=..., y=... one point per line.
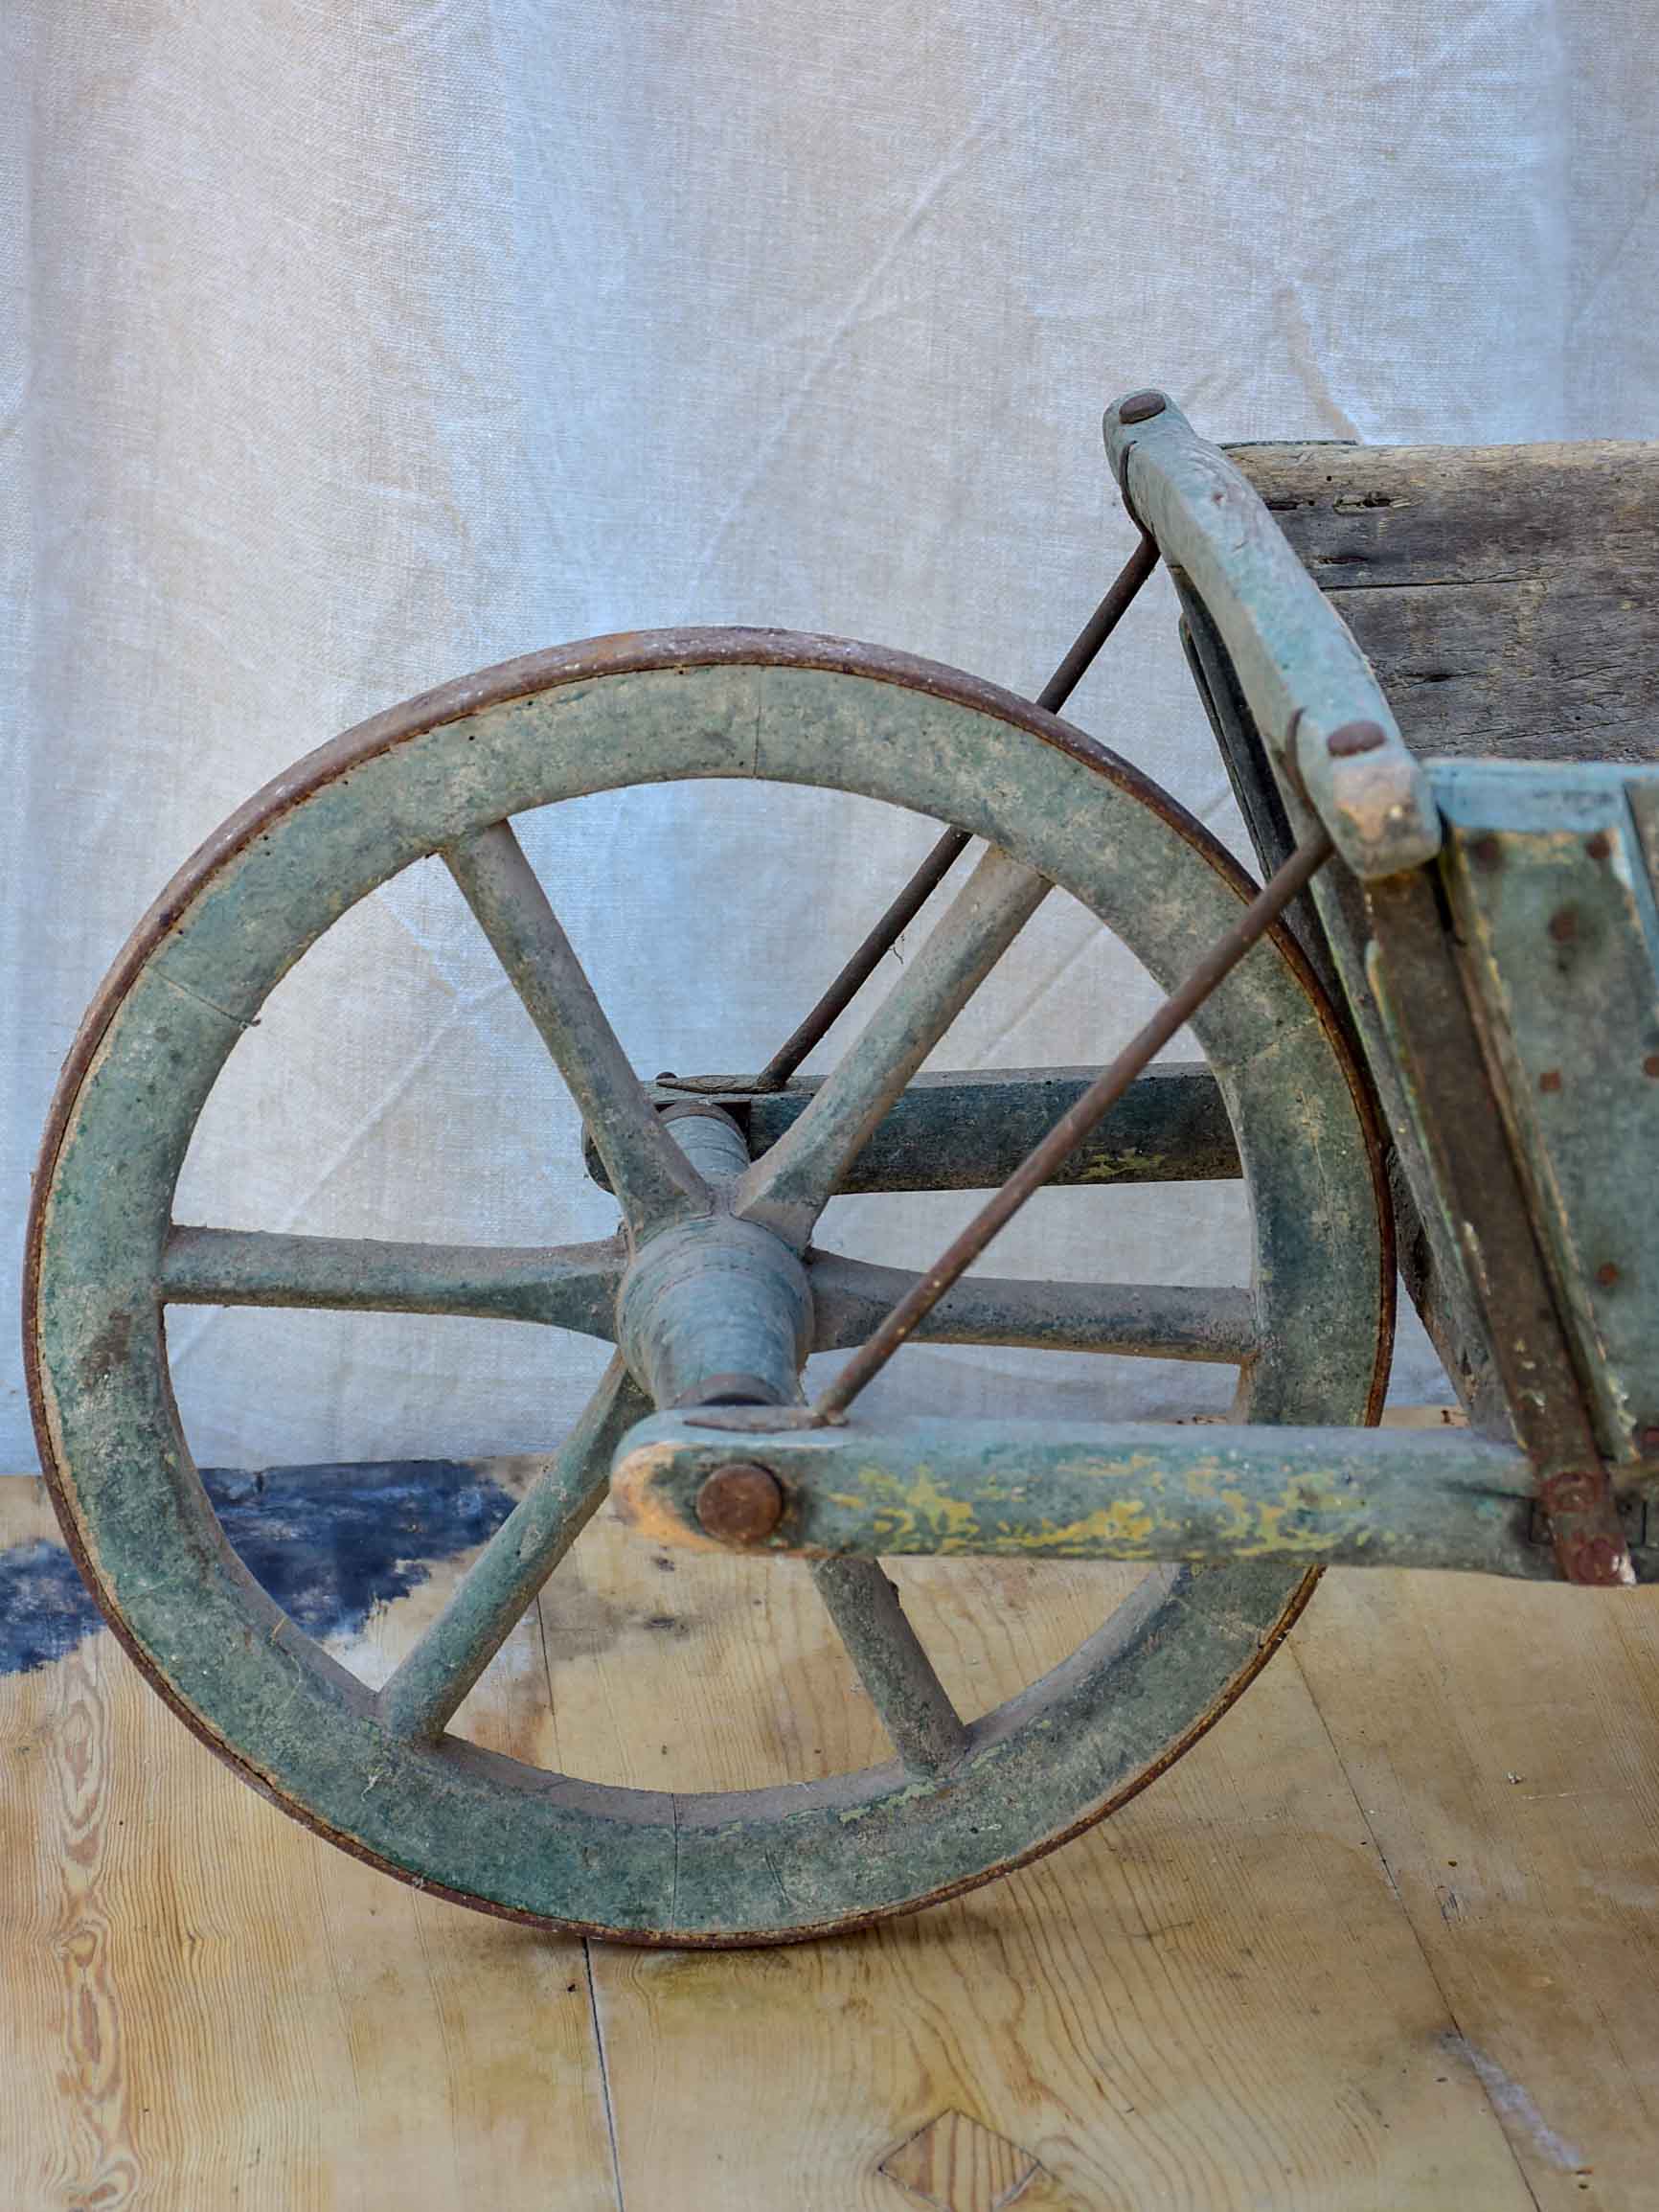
x=1133, y=1492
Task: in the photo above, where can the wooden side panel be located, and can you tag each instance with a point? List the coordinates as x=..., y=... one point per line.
x=1547, y=880
x=1508, y=595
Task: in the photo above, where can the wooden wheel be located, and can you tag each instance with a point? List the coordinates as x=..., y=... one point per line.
x=377, y=1772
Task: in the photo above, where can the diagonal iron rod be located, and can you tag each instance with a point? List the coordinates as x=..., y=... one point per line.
x=955, y=842
x=1072, y=1126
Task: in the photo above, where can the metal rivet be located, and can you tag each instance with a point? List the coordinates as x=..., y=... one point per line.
x=1568, y=1492
x=1651, y=1065
x=1487, y=853
x=1564, y=925
x=742, y=1502
x=1550, y=1080
x=1355, y=737
x=1141, y=406
x=1598, y=846
x=1596, y=1559
x=1606, y=1275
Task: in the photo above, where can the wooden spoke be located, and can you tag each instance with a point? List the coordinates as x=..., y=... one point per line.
x=654, y=1181
x=1140, y=1321
x=420, y=1699
x=567, y=1286
x=788, y=1188
x=918, y=1716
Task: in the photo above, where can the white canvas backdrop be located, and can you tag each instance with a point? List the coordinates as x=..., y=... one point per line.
x=351, y=349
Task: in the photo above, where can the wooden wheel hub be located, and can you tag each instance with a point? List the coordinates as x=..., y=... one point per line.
x=715, y=1310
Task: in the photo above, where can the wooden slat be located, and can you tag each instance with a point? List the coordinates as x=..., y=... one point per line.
x=1508, y=595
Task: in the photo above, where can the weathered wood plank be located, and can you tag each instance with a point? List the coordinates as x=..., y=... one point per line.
x=1207, y=2002
x=968, y=1130
x=1501, y=1742
x=206, y=2005
x=1508, y=595
x=1217, y=1999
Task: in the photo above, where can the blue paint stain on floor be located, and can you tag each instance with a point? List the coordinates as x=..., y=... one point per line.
x=45, y=1608
x=328, y=1544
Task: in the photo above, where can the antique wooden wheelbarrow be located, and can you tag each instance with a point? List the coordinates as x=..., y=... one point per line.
x=1441, y=1010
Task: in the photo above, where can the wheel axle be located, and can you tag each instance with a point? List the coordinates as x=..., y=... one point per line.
x=715, y=1310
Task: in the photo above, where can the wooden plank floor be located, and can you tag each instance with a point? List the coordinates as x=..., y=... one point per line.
x=1388, y=1938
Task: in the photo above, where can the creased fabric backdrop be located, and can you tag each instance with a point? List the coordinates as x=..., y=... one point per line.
x=349, y=349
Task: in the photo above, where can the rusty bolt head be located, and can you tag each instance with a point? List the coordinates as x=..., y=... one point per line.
x=1564, y=924
x=1606, y=1275
x=742, y=1502
x=1647, y=1441
x=1550, y=1080
x=1598, y=844
x=1487, y=853
x=1355, y=737
x=1651, y=1065
x=1569, y=1493
x=1141, y=407
x=1595, y=1559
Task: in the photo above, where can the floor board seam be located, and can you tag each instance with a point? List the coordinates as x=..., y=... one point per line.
x=1405, y=1913
x=546, y=1656
x=604, y=2074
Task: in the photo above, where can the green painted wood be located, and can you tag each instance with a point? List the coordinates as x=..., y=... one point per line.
x=644, y=1166
x=1547, y=879
x=576, y=1287
x=430, y=1682
x=1335, y=1496
x=921, y=1724
x=1330, y=923
x=1337, y=505
x=1143, y=1321
x=788, y=1186
x=642, y=1864
x=566, y=1286
x=1308, y=687
x=968, y=1130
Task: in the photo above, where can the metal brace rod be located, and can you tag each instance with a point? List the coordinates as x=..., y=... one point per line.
x=1072, y=1126
x=955, y=842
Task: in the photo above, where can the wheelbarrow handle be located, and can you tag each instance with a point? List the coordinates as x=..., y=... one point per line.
x=1311, y=689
